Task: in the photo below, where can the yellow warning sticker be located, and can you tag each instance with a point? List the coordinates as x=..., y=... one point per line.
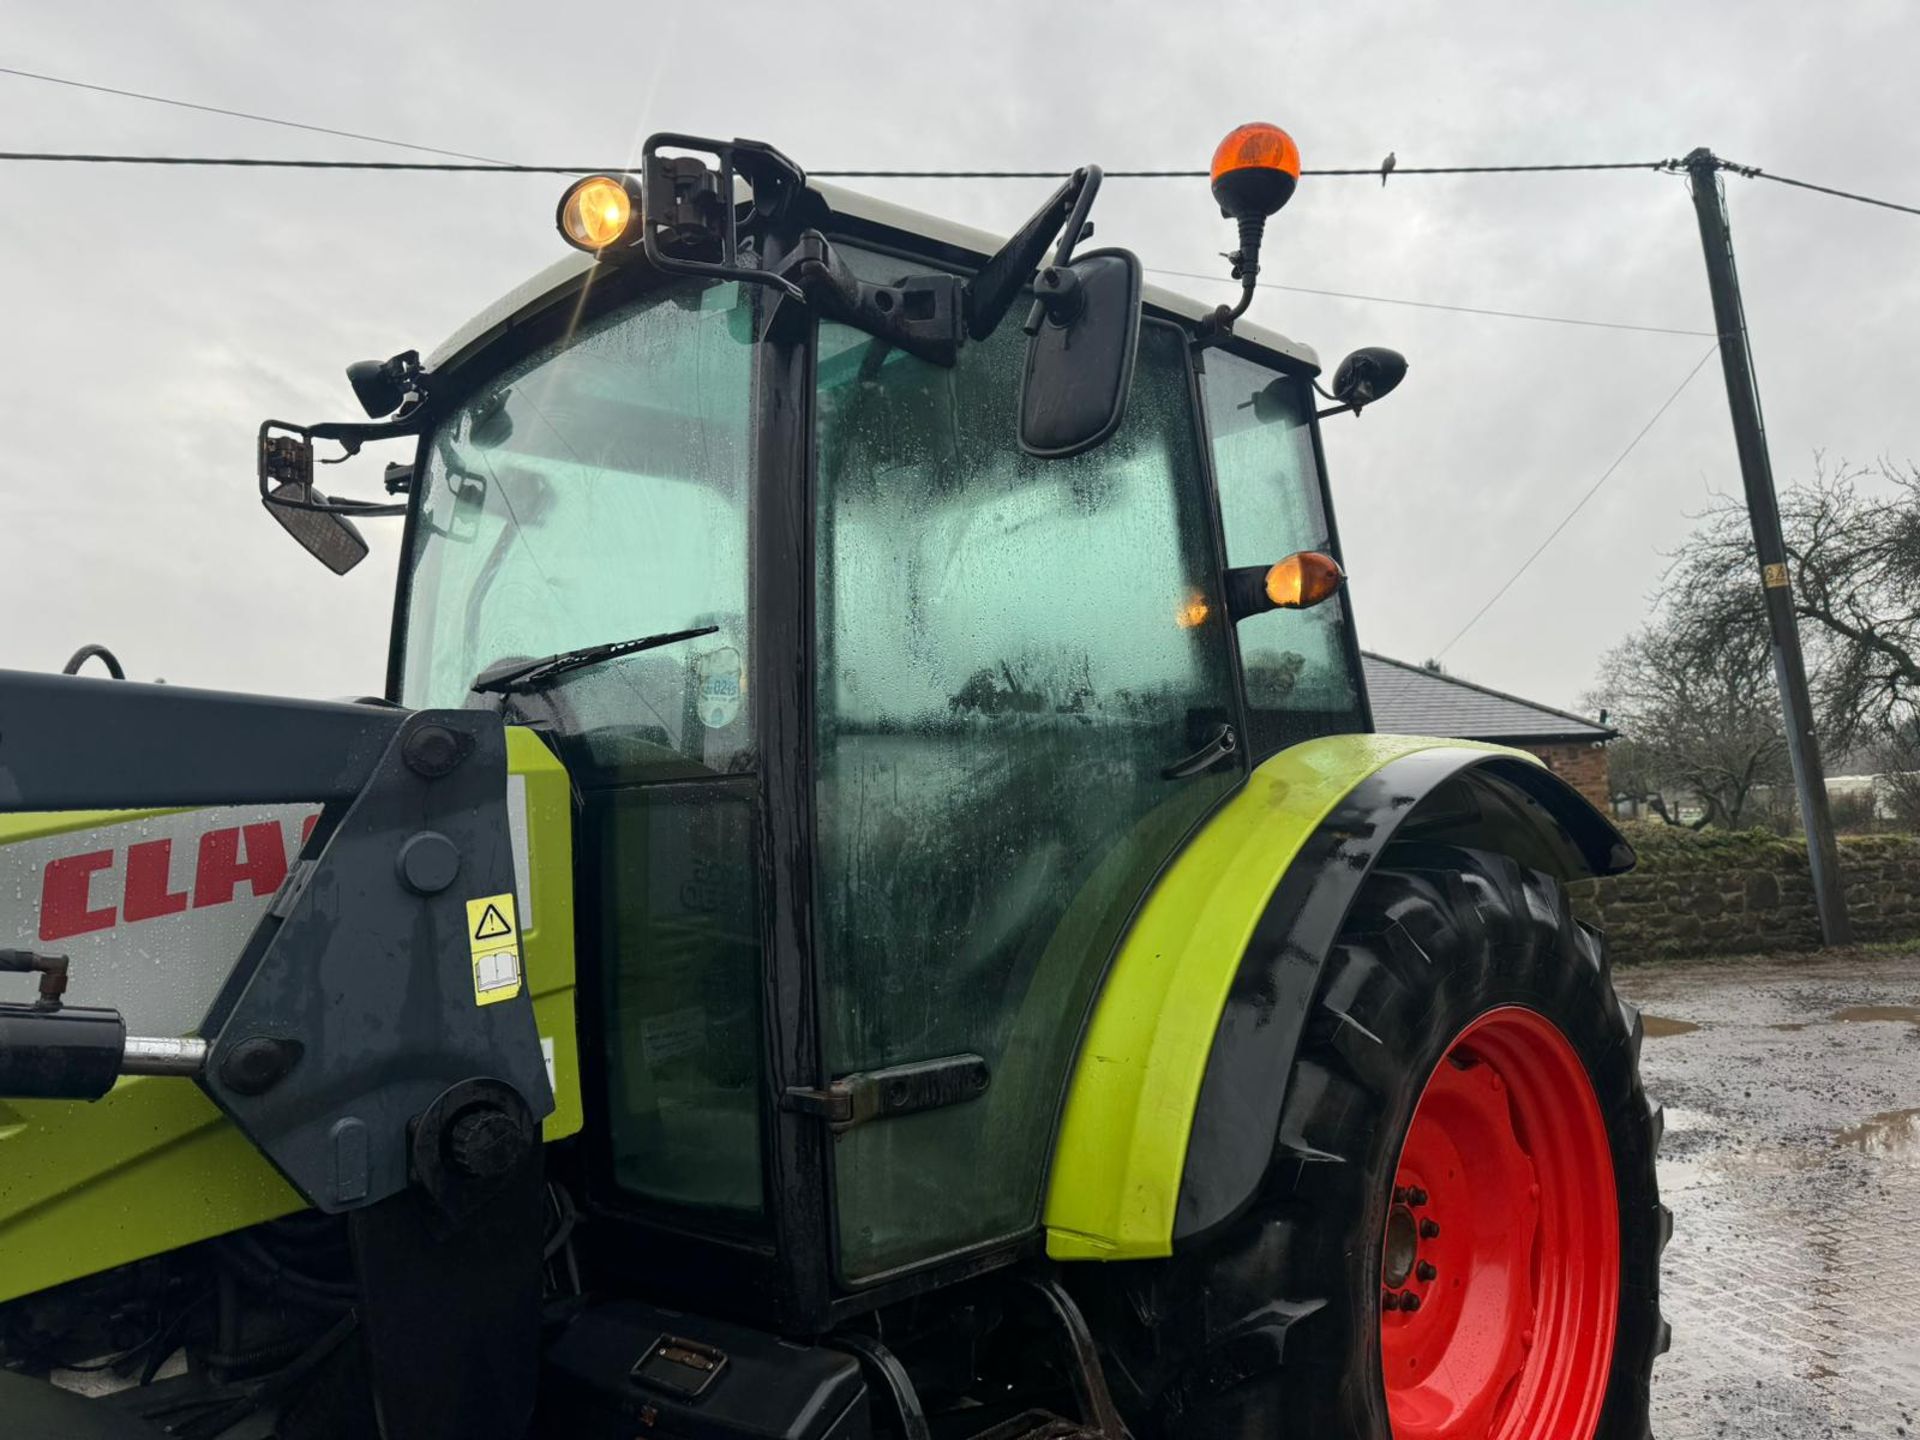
x=494, y=936
x=1774, y=576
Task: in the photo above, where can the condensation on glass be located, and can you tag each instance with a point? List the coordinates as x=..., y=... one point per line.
x=1011, y=652
x=598, y=491
x=1297, y=663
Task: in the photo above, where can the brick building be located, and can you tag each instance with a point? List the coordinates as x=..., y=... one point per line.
x=1412, y=700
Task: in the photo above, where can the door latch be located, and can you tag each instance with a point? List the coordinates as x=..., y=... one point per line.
x=897, y=1090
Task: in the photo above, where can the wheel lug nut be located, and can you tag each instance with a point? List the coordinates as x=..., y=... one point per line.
x=1416, y=1197
x=1390, y=1301
x=1409, y=1301
x=1429, y=1229
x=1425, y=1270
x=1399, y=1194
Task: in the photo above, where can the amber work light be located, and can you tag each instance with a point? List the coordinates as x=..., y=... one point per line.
x=601, y=212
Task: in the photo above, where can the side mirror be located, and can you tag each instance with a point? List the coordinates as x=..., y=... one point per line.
x=331, y=538
x=1365, y=376
x=1086, y=330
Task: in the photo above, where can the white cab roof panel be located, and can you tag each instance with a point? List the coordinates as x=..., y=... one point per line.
x=855, y=206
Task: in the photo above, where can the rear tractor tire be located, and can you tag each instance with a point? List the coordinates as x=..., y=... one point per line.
x=1459, y=1233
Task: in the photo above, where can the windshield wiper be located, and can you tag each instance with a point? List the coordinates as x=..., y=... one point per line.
x=520, y=677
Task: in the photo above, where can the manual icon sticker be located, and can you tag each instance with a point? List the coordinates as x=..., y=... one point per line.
x=494, y=937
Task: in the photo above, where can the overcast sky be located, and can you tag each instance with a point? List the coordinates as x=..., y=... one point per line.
x=153, y=318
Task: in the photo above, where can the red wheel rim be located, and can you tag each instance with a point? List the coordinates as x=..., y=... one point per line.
x=1500, y=1267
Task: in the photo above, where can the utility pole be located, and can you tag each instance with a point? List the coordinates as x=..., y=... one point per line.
x=1756, y=473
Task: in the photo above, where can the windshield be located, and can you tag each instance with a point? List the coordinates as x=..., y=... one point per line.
x=597, y=491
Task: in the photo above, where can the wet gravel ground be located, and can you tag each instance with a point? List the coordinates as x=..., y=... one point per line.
x=1792, y=1165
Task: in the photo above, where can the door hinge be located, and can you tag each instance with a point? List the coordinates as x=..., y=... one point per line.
x=897, y=1090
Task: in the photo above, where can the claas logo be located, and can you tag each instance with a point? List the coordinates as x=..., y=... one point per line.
x=104, y=886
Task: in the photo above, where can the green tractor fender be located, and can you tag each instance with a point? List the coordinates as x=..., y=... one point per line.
x=1175, y=1098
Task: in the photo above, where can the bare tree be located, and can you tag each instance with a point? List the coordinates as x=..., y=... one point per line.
x=1697, y=714
x=1855, y=563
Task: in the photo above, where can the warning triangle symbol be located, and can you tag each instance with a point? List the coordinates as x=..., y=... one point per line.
x=492, y=925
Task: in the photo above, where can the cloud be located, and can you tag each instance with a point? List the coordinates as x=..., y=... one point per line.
x=154, y=317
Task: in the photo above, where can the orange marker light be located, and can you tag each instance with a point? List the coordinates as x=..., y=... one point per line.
x=1191, y=613
x=1257, y=146
x=1254, y=171
x=1302, y=581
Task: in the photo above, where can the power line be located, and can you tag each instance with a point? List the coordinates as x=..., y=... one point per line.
x=504, y=168
x=260, y=163
x=487, y=163
x=1373, y=170
x=1581, y=504
x=236, y=114
x=1434, y=304
x=1752, y=174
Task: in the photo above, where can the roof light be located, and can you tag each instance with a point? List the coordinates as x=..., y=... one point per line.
x=601, y=212
x=1254, y=171
x=1253, y=174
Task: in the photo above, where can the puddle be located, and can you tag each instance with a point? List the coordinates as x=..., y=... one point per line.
x=1659, y=1027
x=1896, y=1014
x=1789, y=1025
x=1891, y=1132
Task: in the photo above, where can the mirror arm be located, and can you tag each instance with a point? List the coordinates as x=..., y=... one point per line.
x=286, y=456
x=997, y=284
x=1058, y=295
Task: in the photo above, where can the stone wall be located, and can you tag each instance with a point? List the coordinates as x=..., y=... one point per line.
x=1720, y=893
x=1582, y=765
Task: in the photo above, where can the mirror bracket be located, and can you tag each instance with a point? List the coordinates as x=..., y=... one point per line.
x=692, y=222
x=922, y=314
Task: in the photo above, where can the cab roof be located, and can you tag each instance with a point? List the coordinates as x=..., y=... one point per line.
x=864, y=211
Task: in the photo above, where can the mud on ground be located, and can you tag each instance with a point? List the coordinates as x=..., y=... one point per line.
x=1792, y=1165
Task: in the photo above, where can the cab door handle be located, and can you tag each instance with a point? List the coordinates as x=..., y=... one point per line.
x=1220, y=744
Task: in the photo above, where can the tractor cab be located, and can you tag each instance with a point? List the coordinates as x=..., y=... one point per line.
x=888, y=670
x=874, y=817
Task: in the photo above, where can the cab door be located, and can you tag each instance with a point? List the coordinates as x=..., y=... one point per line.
x=1021, y=664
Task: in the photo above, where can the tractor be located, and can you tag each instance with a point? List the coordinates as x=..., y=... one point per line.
x=871, y=906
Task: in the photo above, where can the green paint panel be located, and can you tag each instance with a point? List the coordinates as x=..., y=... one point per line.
x=154, y=1165
x=1122, y=1142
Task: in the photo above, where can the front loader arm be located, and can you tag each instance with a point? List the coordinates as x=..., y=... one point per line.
x=375, y=1036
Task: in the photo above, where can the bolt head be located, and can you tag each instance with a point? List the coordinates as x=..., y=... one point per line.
x=485, y=1143
x=432, y=750
x=1429, y=1229
x=1409, y=1301
x=1416, y=1196
x=1425, y=1270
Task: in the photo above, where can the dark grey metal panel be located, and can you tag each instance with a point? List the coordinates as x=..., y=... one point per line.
x=369, y=982
x=70, y=742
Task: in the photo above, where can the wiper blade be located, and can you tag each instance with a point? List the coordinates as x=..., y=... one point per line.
x=523, y=676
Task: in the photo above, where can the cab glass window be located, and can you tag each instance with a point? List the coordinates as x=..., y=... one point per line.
x=1298, y=664
x=1011, y=654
